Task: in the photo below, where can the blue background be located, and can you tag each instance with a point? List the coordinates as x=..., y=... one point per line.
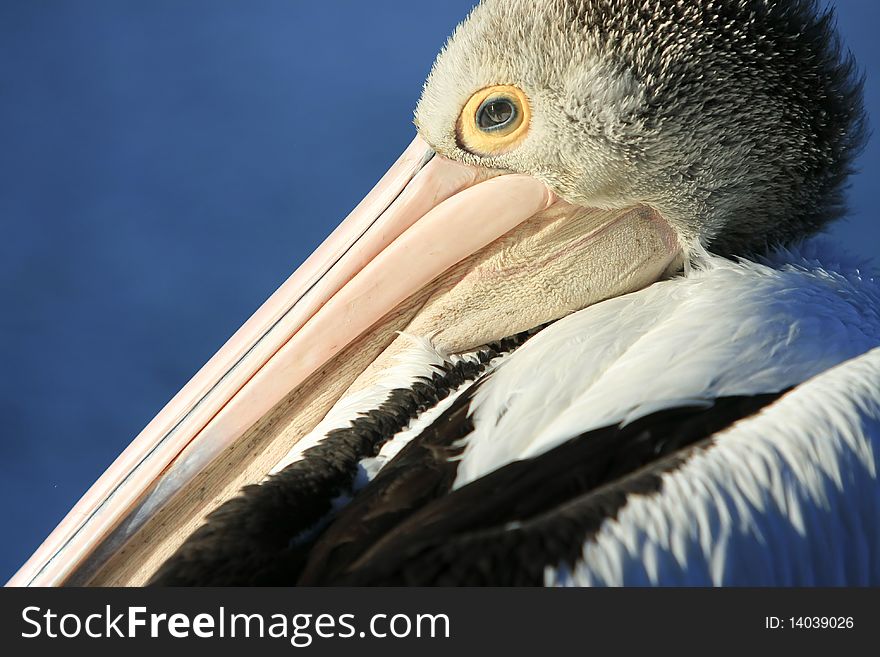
x=164, y=165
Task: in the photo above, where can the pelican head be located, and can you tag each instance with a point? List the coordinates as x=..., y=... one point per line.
x=568, y=151
x=737, y=120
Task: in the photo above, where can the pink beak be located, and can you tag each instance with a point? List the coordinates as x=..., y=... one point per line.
x=424, y=216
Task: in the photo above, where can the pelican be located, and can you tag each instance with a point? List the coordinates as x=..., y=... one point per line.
x=576, y=335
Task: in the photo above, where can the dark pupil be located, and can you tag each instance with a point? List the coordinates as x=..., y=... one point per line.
x=495, y=114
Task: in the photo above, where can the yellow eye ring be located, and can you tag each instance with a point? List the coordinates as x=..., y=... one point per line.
x=495, y=120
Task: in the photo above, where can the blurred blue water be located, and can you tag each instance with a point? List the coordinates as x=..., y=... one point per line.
x=163, y=166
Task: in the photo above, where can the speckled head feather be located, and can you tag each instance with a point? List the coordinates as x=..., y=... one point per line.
x=737, y=119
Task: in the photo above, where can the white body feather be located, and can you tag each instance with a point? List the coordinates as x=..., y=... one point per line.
x=788, y=496
x=724, y=329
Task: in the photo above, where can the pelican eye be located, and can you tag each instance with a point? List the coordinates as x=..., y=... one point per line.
x=494, y=121
x=495, y=113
